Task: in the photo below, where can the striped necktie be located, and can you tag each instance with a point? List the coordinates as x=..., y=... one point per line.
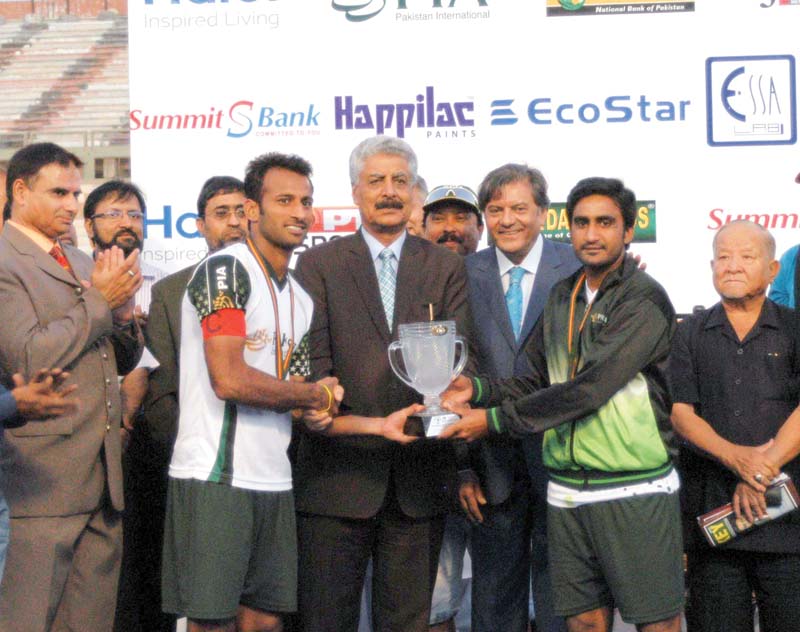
x=386, y=281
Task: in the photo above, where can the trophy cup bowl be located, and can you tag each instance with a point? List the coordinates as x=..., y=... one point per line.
x=428, y=351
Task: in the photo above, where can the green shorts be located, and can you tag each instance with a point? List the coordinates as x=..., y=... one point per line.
x=225, y=546
x=624, y=553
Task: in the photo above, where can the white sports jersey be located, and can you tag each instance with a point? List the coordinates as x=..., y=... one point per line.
x=221, y=441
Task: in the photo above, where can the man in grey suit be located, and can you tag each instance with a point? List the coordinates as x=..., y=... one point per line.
x=509, y=284
x=59, y=308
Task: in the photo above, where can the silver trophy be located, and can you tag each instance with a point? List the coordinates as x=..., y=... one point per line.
x=428, y=352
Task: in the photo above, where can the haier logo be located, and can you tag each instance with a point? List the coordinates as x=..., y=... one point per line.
x=191, y=2
x=751, y=100
x=424, y=112
x=361, y=10
x=240, y=119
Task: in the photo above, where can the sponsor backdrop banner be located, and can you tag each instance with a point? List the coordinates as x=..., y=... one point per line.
x=693, y=104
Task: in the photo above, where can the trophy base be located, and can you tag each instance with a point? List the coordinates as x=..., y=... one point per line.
x=429, y=425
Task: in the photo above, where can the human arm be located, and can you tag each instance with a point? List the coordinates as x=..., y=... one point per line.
x=636, y=334
x=42, y=397
x=782, y=289
x=389, y=427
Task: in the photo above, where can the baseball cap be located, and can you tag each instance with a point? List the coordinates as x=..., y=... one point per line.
x=450, y=193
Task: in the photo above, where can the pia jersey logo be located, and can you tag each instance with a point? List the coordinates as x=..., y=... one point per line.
x=750, y=100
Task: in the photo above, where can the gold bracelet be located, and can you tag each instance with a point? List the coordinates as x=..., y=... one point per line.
x=330, y=398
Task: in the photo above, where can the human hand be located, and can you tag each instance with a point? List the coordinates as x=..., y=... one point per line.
x=331, y=395
x=472, y=425
x=44, y=396
x=141, y=316
x=117, y=278
x=471, y=497
x=751, y=465
x=315, y=420
x=392, y=426
x=638, y=260
x=459, y=391
x=749, y=503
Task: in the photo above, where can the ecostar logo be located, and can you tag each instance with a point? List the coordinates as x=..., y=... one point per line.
x=424, y=112
x=618, y=108
x=362, y=10
x=238, y=120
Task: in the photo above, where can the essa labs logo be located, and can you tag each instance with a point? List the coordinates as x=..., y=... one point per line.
x=362, y=10
x=441, y=119
x=751, y=100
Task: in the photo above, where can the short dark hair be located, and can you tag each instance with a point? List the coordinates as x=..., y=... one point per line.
x=118, y=189
x=26, y=163
x=258, y=167
x=612, y=188
x=217, y=185
x=513, y=172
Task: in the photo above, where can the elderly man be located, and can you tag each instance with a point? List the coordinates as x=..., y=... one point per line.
x=734, y=377
x=362, y=497
x=64, y=488
x=598, y=391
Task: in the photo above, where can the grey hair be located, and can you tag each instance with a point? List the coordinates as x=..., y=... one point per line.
x=766, y=236
x=381, y=145
x=421, y=186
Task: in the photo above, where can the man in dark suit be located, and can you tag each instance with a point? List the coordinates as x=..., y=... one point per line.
x=221, y=220
x=362, y=496
x=508, y=501
x=59, y=308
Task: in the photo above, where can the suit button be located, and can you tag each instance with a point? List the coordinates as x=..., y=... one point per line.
x=108, y=404
x=108, y=381
x=78, y=290
x=108, y=427
x=105, y=356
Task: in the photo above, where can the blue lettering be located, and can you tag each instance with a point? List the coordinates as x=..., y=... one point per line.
x=165, y=221
x=240, y=118
x=625, y=112
x=534, y=111
x=183, y=232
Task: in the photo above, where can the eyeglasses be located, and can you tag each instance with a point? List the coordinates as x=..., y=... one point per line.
x=115, y=215
x=224, y=212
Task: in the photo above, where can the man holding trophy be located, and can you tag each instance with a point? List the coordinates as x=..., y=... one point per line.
x=362, y=497
x=598, y=391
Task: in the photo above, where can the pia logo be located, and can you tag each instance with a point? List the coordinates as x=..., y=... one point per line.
x=362, y=10
x=750, y=100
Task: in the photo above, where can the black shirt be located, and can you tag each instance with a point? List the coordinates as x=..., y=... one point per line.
x=745, y=390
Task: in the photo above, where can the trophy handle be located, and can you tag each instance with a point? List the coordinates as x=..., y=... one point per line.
x=393, y=348
x=462, y=357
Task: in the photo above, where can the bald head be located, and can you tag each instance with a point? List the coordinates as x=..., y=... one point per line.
x=745, y=226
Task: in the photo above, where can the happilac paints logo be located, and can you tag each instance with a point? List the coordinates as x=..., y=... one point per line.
x=240, y=119
x=439, y=118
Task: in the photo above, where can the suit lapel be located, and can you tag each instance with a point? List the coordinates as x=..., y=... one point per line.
x=362, y=268
x=546, y=276
x=491, y=288
x=410, y=279
x=41, y=259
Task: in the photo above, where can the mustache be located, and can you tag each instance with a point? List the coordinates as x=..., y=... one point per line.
x=396, y=204
x=126, y=231
x=450, y=237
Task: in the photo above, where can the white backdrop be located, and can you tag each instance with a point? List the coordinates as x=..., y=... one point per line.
x=692, y=104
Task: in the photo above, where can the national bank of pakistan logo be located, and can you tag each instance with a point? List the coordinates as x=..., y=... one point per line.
x=572, y=5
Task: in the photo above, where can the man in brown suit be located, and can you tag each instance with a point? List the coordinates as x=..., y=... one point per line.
x=358, y=497
x=64, y=480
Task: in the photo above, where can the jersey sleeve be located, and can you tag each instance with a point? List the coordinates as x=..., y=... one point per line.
x=219, y=291
x=300, y=364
